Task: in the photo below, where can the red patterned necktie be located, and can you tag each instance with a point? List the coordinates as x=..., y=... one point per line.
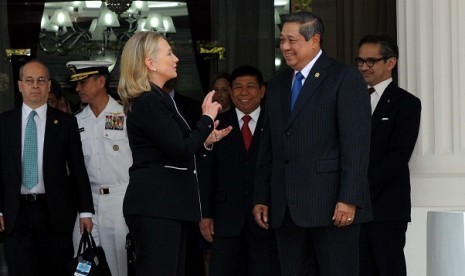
x=246, y=133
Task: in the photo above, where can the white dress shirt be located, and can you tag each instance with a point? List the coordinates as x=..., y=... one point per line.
x=379, y=90
x=306, y=70
x=253, y=122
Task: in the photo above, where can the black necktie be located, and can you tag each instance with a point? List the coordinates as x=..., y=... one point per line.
x=371, y=90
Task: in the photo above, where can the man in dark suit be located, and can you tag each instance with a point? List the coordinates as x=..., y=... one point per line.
x=39, y=207
x=239, y=245
x=312, y=165
x=395, y=123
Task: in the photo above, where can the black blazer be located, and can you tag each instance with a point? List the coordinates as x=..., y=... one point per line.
x=317, y=155
x=227, y=188
x=66, y=195
x=394, y=131
x=163, y=177
x=190, y=108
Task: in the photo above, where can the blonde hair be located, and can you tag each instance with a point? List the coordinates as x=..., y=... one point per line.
x=134, y=75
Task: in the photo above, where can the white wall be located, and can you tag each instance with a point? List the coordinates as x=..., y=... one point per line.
x=431, y=37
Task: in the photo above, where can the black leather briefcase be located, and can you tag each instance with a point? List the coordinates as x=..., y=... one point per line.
x=90, y=259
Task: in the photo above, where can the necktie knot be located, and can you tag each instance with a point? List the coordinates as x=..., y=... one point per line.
x=246, y=119
x=31, y=115
x=371, y=90
x=299, y=76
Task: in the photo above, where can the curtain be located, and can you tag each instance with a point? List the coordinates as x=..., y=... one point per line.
x=347, y=21
x=246, y=29
x=6, y=79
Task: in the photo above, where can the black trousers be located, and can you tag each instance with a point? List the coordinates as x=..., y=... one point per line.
x=160, y=245
x=245, y=255
x=322, y=251
x=382, y=249
x=34, y=247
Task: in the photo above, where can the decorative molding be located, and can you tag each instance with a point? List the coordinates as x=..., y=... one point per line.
x=431, y=66
x=301, y=5
x=17, y=52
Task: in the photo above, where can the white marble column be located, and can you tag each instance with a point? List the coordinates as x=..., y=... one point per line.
x=431, y=37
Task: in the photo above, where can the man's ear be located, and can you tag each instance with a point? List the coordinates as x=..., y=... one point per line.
x=391, y=63
x=315, y=39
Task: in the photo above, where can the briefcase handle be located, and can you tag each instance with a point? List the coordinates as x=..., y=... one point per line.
x=87, y=240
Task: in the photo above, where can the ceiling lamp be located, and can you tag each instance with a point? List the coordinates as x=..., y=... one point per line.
x=168, y=24
x=108, y=18
x=119, y=6
x=61, y=18
x=67, y=30
x=154, y=22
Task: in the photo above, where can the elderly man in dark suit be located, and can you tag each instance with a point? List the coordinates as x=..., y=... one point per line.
x=239, y=245
x=43, y=181
x=311, y=181
x=395, y=123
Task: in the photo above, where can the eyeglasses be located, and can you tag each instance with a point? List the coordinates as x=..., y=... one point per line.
x=370, y=62
x=40, y=81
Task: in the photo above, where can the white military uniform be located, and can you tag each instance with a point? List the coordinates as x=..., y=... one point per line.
x=108, y=157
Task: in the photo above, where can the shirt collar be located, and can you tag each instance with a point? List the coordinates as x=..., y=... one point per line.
x=380, y=87
x=306, y=70
x=41, y=111
x=255, y=114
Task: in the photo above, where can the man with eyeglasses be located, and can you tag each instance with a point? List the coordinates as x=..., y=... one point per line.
x=394, y=130
x=43, y=180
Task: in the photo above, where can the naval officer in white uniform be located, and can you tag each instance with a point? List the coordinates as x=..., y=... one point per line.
x=102, y=125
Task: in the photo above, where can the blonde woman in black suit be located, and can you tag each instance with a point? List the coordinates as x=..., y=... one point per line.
x=163, y=192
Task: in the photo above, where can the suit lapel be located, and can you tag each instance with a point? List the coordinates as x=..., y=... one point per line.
x=256, y=135
x=15, y=126
x=236, y=134
x=182, y=122
x=52, y=124
x=285, y=95
x=316, y=75
x=385, y=103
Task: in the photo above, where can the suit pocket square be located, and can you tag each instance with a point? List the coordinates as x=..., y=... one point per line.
x=385, y=119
